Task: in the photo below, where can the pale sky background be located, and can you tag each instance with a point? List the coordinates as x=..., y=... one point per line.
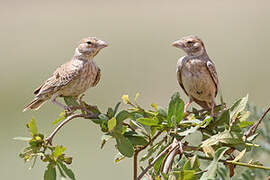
x=38, y=36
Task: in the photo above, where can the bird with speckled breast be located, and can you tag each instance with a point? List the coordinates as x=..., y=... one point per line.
x=196, y=73
x=72, y=78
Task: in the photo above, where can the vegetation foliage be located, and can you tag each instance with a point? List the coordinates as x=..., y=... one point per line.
x=156, y=139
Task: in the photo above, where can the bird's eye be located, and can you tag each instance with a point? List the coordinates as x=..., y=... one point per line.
x=189, y=42
x=89, y=42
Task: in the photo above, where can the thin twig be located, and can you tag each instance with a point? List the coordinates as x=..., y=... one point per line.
x=129, y=126
x=155, y=160
x=151, y=140
x=136, y=153
x=69, y=118
x=168, y=160
x=252, y=130
x=234, y=163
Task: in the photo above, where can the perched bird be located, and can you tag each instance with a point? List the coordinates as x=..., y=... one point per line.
x=196, y=73
x=72, y=78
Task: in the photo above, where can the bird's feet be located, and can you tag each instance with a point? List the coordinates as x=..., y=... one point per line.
x=69, y=110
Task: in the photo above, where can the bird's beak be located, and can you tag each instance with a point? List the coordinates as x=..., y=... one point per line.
x=102, y=44
x=178, y=44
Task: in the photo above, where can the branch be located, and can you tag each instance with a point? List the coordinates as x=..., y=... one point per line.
x=234, y=163
x=252, y=130
x=136, y=153
x=151, y=140
x=168, y=161
x=135, y=165
x=69, y=118
x=156, y=159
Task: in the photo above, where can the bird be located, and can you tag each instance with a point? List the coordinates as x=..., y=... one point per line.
x=72, y=78
x=196, y=73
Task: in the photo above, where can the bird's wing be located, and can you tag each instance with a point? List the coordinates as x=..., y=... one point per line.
x=63, y=75
x=178, y=70
x=212, y=70
x=97, y=77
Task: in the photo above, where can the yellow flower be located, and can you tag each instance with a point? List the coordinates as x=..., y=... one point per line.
x=125, y=99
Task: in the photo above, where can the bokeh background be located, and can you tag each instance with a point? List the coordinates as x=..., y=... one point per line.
x=38, y=36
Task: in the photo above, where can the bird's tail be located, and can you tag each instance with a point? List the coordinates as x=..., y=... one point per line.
x=35, y=104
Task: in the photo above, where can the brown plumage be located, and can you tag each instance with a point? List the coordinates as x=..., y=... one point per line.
x=72, y=78
x=196, y=73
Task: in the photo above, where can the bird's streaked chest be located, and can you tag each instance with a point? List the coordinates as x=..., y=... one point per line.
x=88, y=72
x=197, y=80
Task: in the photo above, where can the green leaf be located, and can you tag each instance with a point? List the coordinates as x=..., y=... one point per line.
x=182, y=161
x=224, y=118
x=238, y=107
x=93, y=109
x=32, y=126
x=121, y=116
x=50, y=173
x=152, y=150
x=103, y=117
x=148, y=121
x=184, y=175
x=244, y=116
x=137, y=140
x=189, y=131
x=58, y=151
x=244, y=124
x=195, y=162
x=67, y=171
x=116, y=108
x=97, y=121
x=206, y=121
x=62, y=116
x=162, y=113
x=71, y=101
x=111, y=124
x=223, y=173
x=110, y=112
x=22, y=138
x=202, y=124
x=124, y=146
x=63, y=176
x=158, y=164
x=226, y=137
x=176, y=109
x=212, y=168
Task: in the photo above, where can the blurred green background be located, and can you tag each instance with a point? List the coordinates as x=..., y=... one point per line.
x=38, y=36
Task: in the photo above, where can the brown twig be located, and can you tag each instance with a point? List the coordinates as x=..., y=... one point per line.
x=232, y=162
x=151, y=140
x=129, y=126
x=168, y=160
x=69, y=118
x=252, y=130
x=136, y=153
x=155, y=160
x=135, y=165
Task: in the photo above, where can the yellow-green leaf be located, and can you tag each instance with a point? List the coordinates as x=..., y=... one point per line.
x=112, y=124
x=58, y=151
x=32, y=126
x=148, y=121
